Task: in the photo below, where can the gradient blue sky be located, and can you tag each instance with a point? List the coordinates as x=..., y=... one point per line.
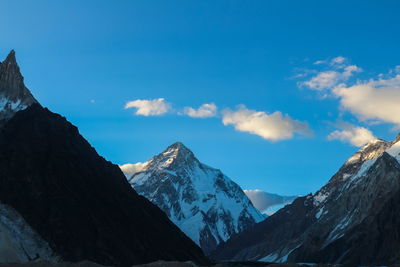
x=195, y=52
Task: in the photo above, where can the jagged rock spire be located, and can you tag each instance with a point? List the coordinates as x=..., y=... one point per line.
x=12, y=81
x=11, y=59
x=14, y=95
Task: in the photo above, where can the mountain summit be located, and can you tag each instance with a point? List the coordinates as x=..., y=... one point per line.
x=14, y=96
x=204, y=203
x=353, y=219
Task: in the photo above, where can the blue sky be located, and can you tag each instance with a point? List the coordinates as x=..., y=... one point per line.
x=88, y=59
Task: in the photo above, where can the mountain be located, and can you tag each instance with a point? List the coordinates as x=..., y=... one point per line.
x=268, y=203
x=354, y=219
x=204, y=203
x=61, y=201
x=14, y=96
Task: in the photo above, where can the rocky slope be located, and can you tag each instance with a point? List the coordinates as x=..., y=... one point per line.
x=353, y=219
x=14, y=96
x=61, y=201
x=204, y=203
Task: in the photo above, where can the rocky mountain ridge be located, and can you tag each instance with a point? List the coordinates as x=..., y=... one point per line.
x=341, y=223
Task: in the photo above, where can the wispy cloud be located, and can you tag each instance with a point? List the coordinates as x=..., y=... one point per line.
x=273, y=127
x=337, y=73
x=338, y=60
x=352, y=134
x=204, y=111
x=319, y=62
x=323, y=80
x=153, y=107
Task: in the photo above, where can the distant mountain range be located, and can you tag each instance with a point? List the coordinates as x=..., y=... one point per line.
x=354, y=219
x=203, y=202
x=268, y=203
x=61, y=201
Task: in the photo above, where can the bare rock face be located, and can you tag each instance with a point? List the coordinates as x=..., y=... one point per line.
x=204, y=203
x=14, y=96
x=353, y=219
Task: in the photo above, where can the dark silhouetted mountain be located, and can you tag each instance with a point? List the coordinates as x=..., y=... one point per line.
x=60, y=200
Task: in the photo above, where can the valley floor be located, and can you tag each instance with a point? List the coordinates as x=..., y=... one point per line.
x=160, y=264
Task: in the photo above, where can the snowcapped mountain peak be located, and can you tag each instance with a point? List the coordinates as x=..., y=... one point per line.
x=176, y=153
x=179, y=146
x=371, y=150
x=14, y=96
x=204, y=203
x=353, y=167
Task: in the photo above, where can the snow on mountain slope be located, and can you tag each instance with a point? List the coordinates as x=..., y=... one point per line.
x=333, y=225
x=14, y=96
x=204, y=203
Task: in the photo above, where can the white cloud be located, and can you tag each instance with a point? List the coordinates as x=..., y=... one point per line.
x=319, y=62
x=355, y=135
x=329, y=79
x=338, y=60
x=323, y=80
x=204, y=111
x=130, y=169
x=273, y=127
x=149, y=107
x=373, y=99
x=349, y=70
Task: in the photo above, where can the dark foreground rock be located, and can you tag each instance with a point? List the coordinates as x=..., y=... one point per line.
x=159, y=264
x=40, y=263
